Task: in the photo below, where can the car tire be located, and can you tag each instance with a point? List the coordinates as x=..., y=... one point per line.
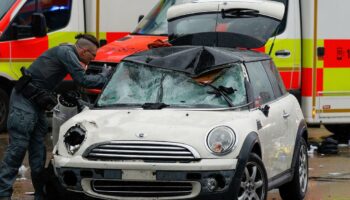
x=297, y=188
x=54, y=190
x=4, y=109
x=253, y=183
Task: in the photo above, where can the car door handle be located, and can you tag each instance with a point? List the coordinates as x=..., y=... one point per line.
x=285, y=115
x=282, y=53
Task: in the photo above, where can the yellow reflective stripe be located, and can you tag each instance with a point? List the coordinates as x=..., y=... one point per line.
x=13, y=70
x=320, y=63
x=314, y=63
x=58, y=38
x=291, y=45
x=68, y=37
x=307, y=53
x=7, y=60
x=334, y=111
x=336, y=79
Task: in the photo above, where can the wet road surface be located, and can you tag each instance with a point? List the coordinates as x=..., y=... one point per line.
x=329, y=175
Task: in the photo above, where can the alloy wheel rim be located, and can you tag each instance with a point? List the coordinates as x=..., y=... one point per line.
x=252, y=185
x=303, y=166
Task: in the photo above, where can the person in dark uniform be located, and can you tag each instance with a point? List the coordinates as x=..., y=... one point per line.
x=32, y=96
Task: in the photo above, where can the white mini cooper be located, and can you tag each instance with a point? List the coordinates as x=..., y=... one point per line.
x=192, y=121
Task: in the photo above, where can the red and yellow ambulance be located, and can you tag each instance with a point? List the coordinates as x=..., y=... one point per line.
x=24, y=35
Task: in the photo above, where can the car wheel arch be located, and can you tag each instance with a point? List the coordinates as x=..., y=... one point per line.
x=301, y=133
x=250, y=145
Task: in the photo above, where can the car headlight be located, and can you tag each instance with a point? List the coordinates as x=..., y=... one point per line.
x=74, y=137
x=221, y=140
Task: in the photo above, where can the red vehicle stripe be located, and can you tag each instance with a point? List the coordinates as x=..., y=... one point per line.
x=24, y=48
x=306, y=83
x=291, y=80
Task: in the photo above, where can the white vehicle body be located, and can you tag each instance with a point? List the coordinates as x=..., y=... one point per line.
x=163, y=129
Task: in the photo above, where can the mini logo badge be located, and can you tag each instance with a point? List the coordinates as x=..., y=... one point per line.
x=140, y=135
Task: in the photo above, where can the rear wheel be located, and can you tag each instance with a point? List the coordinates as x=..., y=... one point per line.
x=4, y=109
x=254, y=180
x=296, y=189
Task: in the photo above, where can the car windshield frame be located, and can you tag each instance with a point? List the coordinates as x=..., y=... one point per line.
x=155, y=22
x=5, y=6
x=135, y=85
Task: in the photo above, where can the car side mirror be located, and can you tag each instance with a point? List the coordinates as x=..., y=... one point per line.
x=140, y=18
x=265, y=110
x=39, y=27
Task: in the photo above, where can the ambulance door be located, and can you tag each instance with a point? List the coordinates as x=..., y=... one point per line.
x=285, y=48
x=332, y=95
x=64, y=18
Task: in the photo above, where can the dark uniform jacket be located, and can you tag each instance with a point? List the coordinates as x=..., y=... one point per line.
x=53, y=65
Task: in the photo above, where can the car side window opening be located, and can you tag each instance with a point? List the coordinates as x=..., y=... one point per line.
x=260, y=82
x=56, y=12
x=275, y=79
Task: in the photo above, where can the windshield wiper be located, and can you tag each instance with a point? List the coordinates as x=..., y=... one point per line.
x=154, y=106
x=222, y=91
x=239, y=13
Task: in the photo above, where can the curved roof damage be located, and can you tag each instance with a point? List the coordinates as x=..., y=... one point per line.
x=194, y=60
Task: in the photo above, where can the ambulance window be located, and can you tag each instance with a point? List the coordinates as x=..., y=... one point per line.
x=261, y=84
x=56, y=12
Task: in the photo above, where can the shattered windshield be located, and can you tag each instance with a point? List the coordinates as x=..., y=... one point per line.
x=155, y=23
x=136, y=84
x=5, y=5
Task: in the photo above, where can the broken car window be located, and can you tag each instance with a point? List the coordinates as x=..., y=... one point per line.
x=137, y=84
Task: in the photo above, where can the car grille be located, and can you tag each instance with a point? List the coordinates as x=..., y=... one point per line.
x=141, y=188
x=147, y=151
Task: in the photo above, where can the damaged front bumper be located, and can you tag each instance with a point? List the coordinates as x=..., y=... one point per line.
x=204, y=179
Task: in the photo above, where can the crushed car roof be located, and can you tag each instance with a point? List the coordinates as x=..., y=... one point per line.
x=194, y=60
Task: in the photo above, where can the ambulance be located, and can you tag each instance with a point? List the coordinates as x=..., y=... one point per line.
x=29, y=27
x=311, y=50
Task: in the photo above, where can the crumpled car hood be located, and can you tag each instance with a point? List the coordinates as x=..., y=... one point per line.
x=167, y=125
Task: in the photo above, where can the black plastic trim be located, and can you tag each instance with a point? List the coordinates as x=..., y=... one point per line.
x=280, y=179
x=301, y=129
x=251, y=139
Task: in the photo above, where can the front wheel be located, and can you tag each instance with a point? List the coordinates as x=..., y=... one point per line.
x=254, y=180
x=296, y=189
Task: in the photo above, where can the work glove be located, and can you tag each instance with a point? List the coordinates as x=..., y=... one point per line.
x=158, y=43
x=106, y=71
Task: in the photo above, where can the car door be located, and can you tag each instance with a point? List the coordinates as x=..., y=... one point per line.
x=64, y=19
x=270, y=122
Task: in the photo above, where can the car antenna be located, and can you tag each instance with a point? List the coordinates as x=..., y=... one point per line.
x=274, y=39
